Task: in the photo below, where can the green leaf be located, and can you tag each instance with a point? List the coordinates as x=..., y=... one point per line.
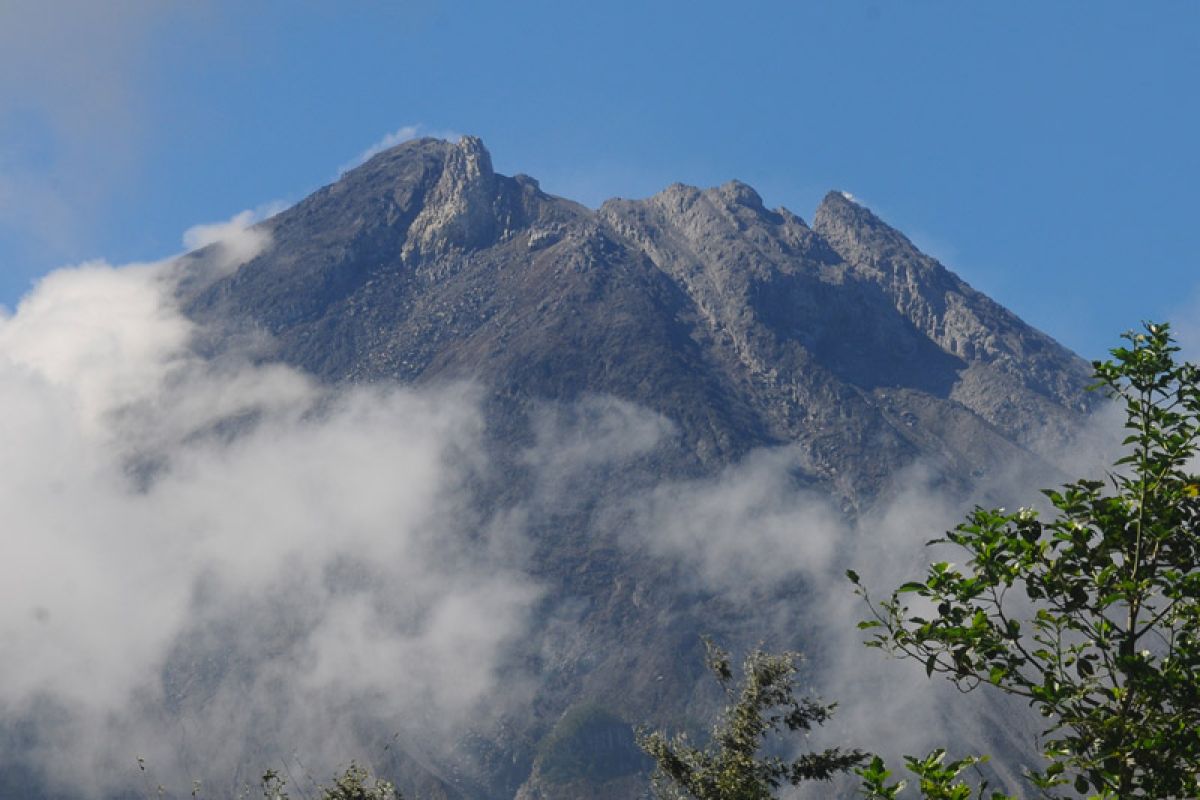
x=1092, y=615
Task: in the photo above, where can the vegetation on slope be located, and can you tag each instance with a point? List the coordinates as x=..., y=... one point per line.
x=1091, y=615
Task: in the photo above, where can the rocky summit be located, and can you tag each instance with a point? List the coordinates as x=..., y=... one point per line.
x=743, y=325
x=745, y=328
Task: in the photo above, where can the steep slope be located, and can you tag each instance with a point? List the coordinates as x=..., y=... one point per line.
x=423, y=265
x=743, y=326
x=1013, y=376
x=828, y=357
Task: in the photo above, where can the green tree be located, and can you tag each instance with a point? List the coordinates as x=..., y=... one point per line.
x=936, y=779
x=736, y=763
x=733, y=766
x=1092, y=614
x=353, y=784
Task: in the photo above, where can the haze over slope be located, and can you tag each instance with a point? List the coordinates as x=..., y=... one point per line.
x=506, y=457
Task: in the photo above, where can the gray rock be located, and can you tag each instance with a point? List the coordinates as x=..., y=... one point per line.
x=743, y=326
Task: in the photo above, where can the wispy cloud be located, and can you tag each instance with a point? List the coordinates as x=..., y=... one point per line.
x=778, y=554
x=211, y=560
x=398, y=136
x=234, y=241
x=72, y=119
x=219, y=563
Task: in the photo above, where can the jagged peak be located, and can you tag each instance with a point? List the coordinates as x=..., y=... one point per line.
x=470, y=153
x=731, y=195
x=680, y=190
x=844, y=221
x=405, y=149
x=842, y=205
x=472, y=145
x=737, y=193
x=468, y=156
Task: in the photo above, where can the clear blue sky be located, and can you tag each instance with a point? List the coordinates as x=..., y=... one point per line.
x=1046, y=151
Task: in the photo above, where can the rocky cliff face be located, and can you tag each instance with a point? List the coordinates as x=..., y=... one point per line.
x=743, y=326
x=1015, y=378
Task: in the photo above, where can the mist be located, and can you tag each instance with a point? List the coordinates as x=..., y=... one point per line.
x=210, y=559
x=218, y=564
x=780, y=552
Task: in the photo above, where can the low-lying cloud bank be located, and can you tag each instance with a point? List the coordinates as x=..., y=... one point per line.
x=752, y=537
x=294, y=560
x=220, y=564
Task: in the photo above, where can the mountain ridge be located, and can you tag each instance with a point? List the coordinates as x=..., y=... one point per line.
x=719, y=277
x=838, y=343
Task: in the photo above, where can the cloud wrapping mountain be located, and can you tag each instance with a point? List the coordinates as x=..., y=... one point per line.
x=414, y=468
x=310, y=552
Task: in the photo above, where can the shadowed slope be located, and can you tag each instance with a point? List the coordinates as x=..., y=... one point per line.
x=741, y=326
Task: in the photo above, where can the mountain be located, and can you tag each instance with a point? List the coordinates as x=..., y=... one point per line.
x=743, y=325
x=746, y=328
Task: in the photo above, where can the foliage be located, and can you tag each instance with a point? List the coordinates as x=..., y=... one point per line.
x=731, y=766
x=1093, y=615
x=353, y=784
x=935, y=780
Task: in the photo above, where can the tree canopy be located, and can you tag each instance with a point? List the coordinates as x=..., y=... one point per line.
x=732, y=765
x=1090, y=612
x=1093, y=613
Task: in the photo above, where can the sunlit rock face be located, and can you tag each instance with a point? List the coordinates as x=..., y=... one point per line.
x=667, y=340
x=742, y=325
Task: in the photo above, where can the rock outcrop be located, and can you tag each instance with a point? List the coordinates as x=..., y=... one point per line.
x=741, y=325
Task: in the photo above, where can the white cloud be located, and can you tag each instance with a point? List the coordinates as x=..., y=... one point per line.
x=298, y=558
x=216, y=562
x=237, y=240
x=748, y=530
x=398, y=136
x=779, y=553
x=577, y=442
x=98, y=334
